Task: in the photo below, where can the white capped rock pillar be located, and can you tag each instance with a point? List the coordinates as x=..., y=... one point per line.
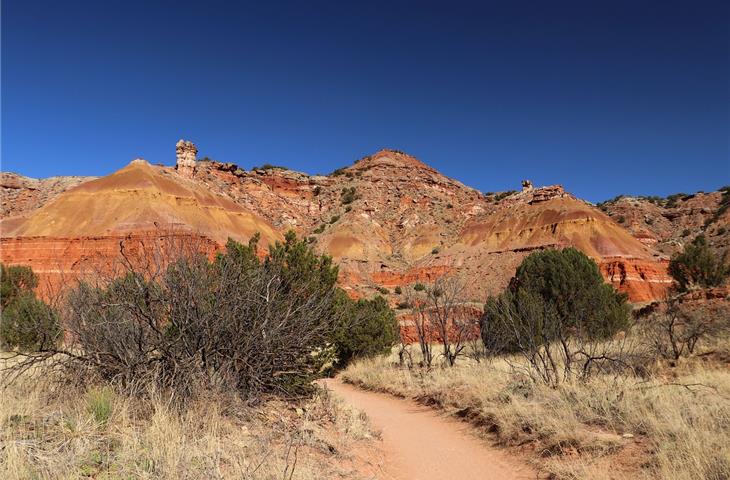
x=187, y=153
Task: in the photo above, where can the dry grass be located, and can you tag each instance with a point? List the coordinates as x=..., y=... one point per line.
x=53, y=432
x=604, y=428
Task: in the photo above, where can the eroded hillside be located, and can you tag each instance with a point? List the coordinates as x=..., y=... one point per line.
x=666, y=224
x=389, y=220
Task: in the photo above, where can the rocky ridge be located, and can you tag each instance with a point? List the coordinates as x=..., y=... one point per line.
x=666, y=224
x=21, y=194
x=389, y=220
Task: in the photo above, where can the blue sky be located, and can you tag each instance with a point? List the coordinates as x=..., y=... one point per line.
x=605, y=97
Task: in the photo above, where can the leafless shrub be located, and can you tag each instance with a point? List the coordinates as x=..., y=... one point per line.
x=170, y=318
x=440, y=315
x=424, y=330
x=676, y=331
x=444, y=301
x=475, y=348
x=404, y=353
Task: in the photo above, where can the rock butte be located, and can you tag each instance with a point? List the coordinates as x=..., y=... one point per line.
x=388, y=219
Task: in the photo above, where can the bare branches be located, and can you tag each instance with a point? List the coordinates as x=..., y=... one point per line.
x=440, y=314
x=676, y=331
x=168, y=316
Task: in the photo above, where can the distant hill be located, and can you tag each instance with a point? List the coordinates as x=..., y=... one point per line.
x=389, y=220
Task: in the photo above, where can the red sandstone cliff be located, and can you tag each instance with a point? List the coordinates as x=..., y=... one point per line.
x=88, y=225
x=389, y=220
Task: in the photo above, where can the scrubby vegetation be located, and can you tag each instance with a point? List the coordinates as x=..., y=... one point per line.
x=565, y=370
x=679, y=331
x=348, y=195
x=237, y=323
x=26, y=323
x=202, y=367
x=605, y=427
x=371, y=330
x=176, y=365
x=724, y=204
x=554, y=308
x=268, y=166
x=498, y=197
x=698, y=267
x=54, y=430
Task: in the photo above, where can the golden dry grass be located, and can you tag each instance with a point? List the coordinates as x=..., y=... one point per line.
x=605, y=428
x=52, y=432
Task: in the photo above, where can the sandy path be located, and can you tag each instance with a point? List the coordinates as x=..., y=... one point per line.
x=418, y=443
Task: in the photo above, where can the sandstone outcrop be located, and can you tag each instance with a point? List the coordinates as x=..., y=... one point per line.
x=389, y=220
x=667, y=224
x=21, y=195
x=187, y=154
x=140, y=202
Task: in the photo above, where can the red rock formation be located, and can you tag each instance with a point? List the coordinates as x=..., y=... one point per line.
x=666, y=224
x=22, y=195
x=642, y=280
x=60, y=262
x=83, y=229
x=388, y=220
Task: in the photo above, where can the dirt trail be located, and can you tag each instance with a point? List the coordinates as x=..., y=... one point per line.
x=418, y=443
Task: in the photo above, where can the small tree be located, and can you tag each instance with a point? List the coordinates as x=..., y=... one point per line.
x=15, y=281
x=554, y=307
x=368, y=328
x=445, y=313
x=26, y=323
x=439, y=316
x=698, y=267
x=422, y=322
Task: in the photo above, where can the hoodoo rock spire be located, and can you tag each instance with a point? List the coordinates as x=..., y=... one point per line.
x=186, y=157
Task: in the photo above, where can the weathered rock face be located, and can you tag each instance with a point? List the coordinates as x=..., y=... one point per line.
x=668, y=224
x=389, y=220
x=141, y=202
x=21, y=195
x=643, y=280
x=187, y=154
x=61, y=261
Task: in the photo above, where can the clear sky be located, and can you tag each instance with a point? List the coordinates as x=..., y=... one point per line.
x=606, y=97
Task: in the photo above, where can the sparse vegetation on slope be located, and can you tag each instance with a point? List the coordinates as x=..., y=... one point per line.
x=698, y=267
x=268, y=166
x=349, y=195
